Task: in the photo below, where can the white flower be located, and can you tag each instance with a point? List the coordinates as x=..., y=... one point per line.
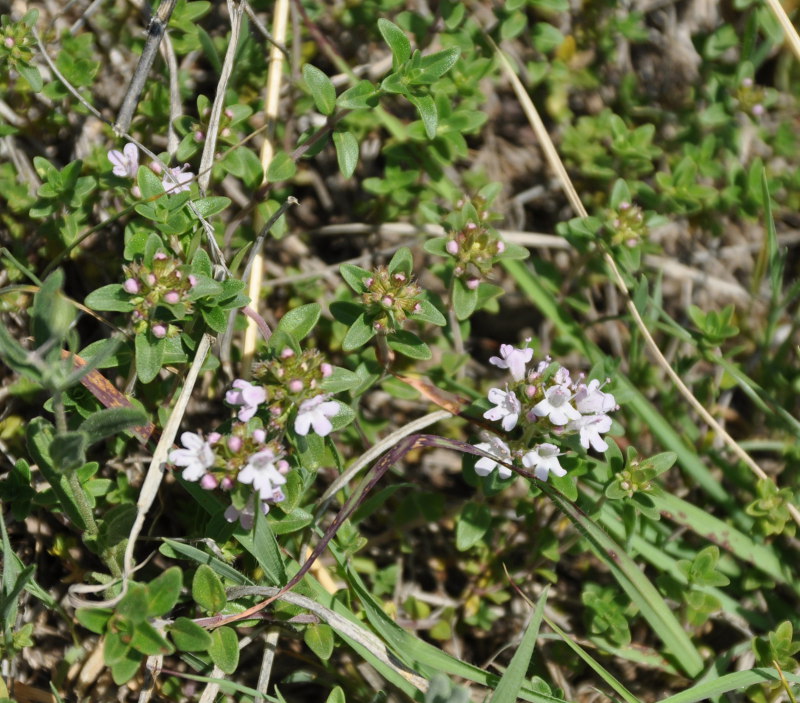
x=179, y=180
x=556, y=406
x=196, y=457
x=262, y=473
x=508, y=408
x=314, y=413
x=248, y=396
x=499, y=449
x=126, y=162
x=591, y=400
x=513, y=359
x=590, y=427
x=543, y=459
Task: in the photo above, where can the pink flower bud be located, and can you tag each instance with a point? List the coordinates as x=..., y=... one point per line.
x=234, y=443
x=530, y=391
x=387, y=300
x=214, y=437
x=151, y=279
x=369, y=281
x=471, y=227
x=275, y=410
x=501, y=247
x=283, y=466
x=472, y=283
x=192, y=280
x=9, y=42
x=624, y=205
x=225, y=132
x=172, y=297
x=136, y=315
x=747, y=82
x=226, y=484
x=136, y=192
x=228, y=113
x=259, y=435
x=199, y=136
x=159, y=331
x=159, y=256
x=287, y=353
x=758, y=109
x=400, y=277
x=378, y=327
x=326, y=369
x=452, y=247
x=209, y=482
x=417, y=308
x=155, y=168
x=131, y=286
x=295, y=385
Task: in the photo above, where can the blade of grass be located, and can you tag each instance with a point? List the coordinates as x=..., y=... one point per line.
x=513, y=677
x=728, y=683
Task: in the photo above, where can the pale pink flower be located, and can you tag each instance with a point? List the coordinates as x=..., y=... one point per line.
x=262, y=472
x=195, y=457
x=499, y=449
x=314, y=413
x=556, y=407
x=513, y=359
x=178, y=180
x=507, y=408
x=248, y=396
x=543, y=459
x=591, y=400
x=589, y=428
x=125, y=162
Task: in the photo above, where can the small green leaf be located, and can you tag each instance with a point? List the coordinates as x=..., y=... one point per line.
x=408, y=344
x=354, y=276
x=346, y=152
x=115, y=648
x=434, y=66
x=149, y=641
x=362, y=95
x=215, y=318
x=125, y=669
x=428, y=312
x=426, y=107
x=163, y=592
x=188, y=636
x=52, y=314
x=110, y=298
x=464, y=299
x=68, y=450
x=340, y=380
x=359, y=334
x=207, y=590
x=472, y=525
x=212, y=205
x=111, y=421
x=133, y=607
x=32, y=75
x=94, y=619
x=281, y=168
x=149, y=355
x=402, y=262
x=321, y=89
x=319, y=639
x=149, y=184
x=299, y=321
x=397, y=40
x=224, y=649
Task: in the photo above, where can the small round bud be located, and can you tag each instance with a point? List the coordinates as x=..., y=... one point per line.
x=172, y=297
x=192, y=280
x=228, y=113
x=452, y=247
x=209, y=482
x=199, y=136
x=159, y=331
x=131, y=286
x=275, y=410
x=747, y=82
x=369, y=281
x=417, y=308
x=159, y=256
x=151, y=279
x=758, y=110
x=9, y=42
x=400, y=277
x=234, y=443
x=387, y=300
x=624, y=205
x=625, y=486
x=136, y=192
x=530, y=391
x=283, y=466
x=295, y=385
x=471, y=227
x=472, y=283
x=226, y=484
x=214, y=437
x=259, y=435
x=501, y=247
x=326, y=370
x=155, y=168
x=225, y=132
x=287, y=353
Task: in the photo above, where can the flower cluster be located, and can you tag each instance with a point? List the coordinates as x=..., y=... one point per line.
x=17, y=45
x=164, y=283
x=546, y=403
x=390, y=298
x=288, y=383
x=126, y=165
x=475, y=247
x=244, y=464
x=627, y=225
x=751, y=98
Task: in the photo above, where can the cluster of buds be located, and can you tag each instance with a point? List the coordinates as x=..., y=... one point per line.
x=16, y=42
x=750, y=98
x=547, y=404
x=244, y=464
x=627, y=225
x=163, y=283
x=637, y=478
x=475, y=246
x=199, y=129
x=390, y=298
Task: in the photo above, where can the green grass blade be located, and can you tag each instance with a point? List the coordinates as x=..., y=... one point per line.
x=638, y=587
x=513, y=677
x=728, y=683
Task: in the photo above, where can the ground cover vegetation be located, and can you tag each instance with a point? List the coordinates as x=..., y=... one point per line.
x=387, y=350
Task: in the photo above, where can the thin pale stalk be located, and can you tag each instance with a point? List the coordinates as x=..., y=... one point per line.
x=786, y=25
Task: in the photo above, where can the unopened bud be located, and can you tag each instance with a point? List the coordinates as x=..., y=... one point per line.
x=287, y=353
x=228, y=113
x=225, y=132
x=387, y=300
x=452, y=247
x=172, y=297
x=192, y=280
x=159, y=256
x=417, y=308
x=283, y=466
x=369, y=281
x=9, y=42
x=214, y=437
x=209, y=482
x=326, y=370
x=400, y=277
x=199, y=136
x=151, y=279
x=131, y=286
x=747, y=82
x=159, y=331
x=259, y=435
x=501, y=247
x=136, y=192
x=472, y=283
x=226, y=484
x=295, y=385
x=471, y=227
x=624, y=205
x=758, y=109
x=234, y=443
x=155, y=168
